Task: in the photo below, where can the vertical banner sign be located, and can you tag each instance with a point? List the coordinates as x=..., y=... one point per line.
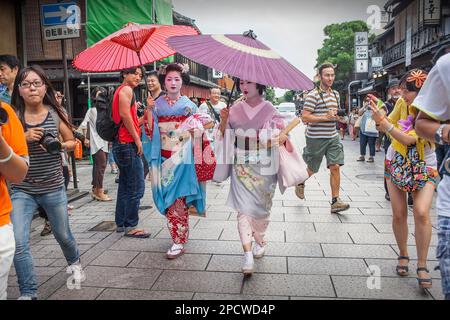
x=361, y=52
x=432, y=12
x=408, y=49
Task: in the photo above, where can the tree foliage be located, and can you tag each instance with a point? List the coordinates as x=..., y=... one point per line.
x=338, y=47
x=288, y=96
x=270, y=95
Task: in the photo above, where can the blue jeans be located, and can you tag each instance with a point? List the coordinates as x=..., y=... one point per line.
x=24, y=207
x=443, y=252
x=131, y=185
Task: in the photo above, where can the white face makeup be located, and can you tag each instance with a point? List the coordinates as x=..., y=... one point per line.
x=173, y=82
x=249, y=89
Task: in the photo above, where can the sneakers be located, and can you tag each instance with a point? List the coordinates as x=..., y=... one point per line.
x=249, y=263
x=258, y=251
x=339, y=206
x=175, y=251
x=300, y=191
x=361, y=159
x=47, y=229
x=371, y=159
x=77, y=271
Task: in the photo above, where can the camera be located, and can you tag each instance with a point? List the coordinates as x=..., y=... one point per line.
x=341, y=113
x=3, y=116
x=50, y=143
x=78, y=135
x=140, y=110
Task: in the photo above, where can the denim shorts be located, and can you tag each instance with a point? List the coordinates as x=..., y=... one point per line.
x=443, y=252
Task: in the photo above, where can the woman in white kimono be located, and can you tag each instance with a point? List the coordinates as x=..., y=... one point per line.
x=246, y=127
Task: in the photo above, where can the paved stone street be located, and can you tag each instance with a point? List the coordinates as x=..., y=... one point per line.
x=312, y=254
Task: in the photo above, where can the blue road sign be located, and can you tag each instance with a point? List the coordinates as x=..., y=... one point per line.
x=57, y=14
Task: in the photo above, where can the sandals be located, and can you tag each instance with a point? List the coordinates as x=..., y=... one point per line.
x=175, y=252
x=137, y=233
x=402, y=271
x=424, y=283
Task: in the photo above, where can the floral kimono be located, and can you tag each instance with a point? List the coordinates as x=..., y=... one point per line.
x=169, y=151
x=253, y=181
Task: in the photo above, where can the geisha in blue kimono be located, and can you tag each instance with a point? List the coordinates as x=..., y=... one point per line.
x=169, y=148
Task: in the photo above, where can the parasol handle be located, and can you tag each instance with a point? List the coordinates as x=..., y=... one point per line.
x=295, y=122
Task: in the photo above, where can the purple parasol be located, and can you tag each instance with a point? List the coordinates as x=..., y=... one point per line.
x=242, y=56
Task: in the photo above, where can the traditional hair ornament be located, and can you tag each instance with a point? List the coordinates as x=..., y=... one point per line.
x=417, y=76
x=163, y=69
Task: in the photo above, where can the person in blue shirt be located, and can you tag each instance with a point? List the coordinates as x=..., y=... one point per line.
x=9, y=67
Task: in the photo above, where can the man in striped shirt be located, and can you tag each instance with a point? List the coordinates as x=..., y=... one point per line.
x=322, y=139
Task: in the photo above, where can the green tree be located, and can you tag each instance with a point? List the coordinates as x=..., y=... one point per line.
x=270, y=95
x=288, y=96
x=338, y=47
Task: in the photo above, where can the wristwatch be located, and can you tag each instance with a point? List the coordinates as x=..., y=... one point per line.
x=438, y=136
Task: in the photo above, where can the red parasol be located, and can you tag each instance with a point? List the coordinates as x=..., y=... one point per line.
x=132, y=46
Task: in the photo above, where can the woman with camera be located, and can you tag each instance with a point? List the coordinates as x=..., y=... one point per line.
x=13, y=168
x=44, y=120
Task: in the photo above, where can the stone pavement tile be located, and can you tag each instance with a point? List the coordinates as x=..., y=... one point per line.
x=271, y=235
x=294, y=226
x=59, y=263
x=302, y=217
x=358, y=251
x=413, y=252
x=326, y=266
x=129, y=244
x=266, y=264
x=318, y=237
x=308, y=203
x=289, y=285
x=327, y=211
x=12, y=293
x=387, y=267
x=436, y=290
x=365, y=219
x=391, y=288
x=195, y=234
x=41, y=279
x=218, y=296
x=85, y=293
x=211, y=214
x=377, y=212
x=199, y=281
x=366, y=204
x=205, y=224
x=370, y=198
x=294, y=249
x=111, y=258
x=387, y=228
x=303, y=210
x=377, y=238
x=277, y=215
x=344, y=227
x=129, y=294
x=149, y=260
x=113, y=277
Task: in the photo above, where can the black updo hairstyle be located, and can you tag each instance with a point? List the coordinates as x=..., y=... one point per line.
x=174, y=67
x=413, y=80
x=260, y=87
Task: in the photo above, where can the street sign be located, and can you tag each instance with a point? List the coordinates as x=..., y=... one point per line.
x=217, y=74
x=377, y=62
x=362, y=66
x=361, y=39
x=361, y=52
x=59, y=14
x=61, y=21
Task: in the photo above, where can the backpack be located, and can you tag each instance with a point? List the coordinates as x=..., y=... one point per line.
x=107, y=129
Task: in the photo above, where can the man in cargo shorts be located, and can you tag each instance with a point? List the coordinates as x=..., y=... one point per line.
x=320, y=111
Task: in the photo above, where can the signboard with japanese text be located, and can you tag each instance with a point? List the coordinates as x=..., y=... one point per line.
x=361, y=38
x=408, y=47
x=431, y=12
x=217, y=74
x=377, y=62
x=61, y=20
x=362, y=66
x=361, y=52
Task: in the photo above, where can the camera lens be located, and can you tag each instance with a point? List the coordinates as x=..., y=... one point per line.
x=50, y=144
x=3, y=116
